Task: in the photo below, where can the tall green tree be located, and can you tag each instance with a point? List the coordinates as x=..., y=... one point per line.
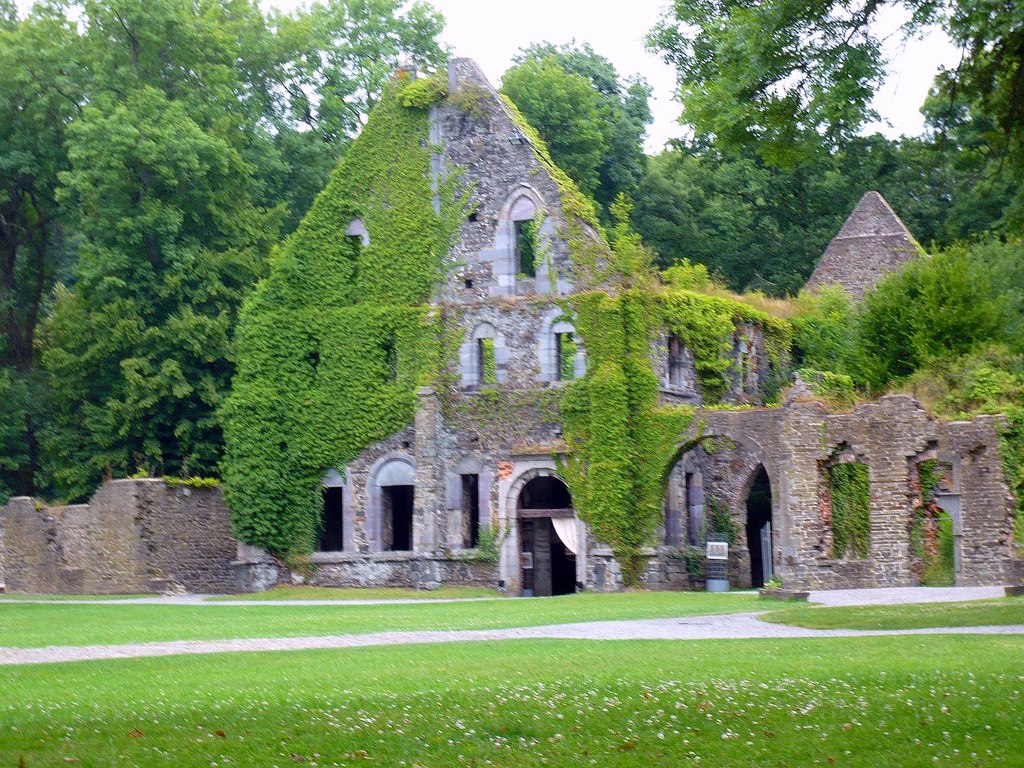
x=597, y=136
x=795, y=78
x=176, y=229
x=40, y=93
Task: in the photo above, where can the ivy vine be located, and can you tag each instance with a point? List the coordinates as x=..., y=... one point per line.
x=332, y=346
x=851, y=510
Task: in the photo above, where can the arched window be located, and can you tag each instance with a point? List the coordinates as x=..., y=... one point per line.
x=391, y=494
x=336, y=514
x=560, y=349
x=523, y=216
x=357, y=231
x=520, y=264
x=482, y=358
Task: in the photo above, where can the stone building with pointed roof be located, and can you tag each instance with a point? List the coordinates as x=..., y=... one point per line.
x=873, y=243
x=400, y=396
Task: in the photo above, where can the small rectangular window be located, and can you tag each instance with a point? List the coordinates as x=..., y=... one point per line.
x=676, y=364
x=565, y=356
x=487, y=367
x=332, y=533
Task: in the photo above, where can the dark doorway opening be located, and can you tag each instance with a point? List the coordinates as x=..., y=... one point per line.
x=471, y=509
x=332, y=532
x=397, y=508
x=548, y=567
x=759, y=529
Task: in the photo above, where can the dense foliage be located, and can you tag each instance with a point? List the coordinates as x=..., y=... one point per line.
x=333, y=344
x=150, y=154
x=850, y=491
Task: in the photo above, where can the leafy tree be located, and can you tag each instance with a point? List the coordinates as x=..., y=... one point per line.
x=796, y=79
x=341, y=53
x=39, y=96
x=943, y=306
x=176, y=231
x=163, y=145
x=597, y=141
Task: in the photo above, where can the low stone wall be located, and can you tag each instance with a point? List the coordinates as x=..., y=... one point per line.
x=134, y=536
x=255, y=571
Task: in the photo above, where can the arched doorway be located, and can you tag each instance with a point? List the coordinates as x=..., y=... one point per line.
x=759, y=529
x=548, y=536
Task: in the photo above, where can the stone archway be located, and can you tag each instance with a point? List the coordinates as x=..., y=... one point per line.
x=549, y=534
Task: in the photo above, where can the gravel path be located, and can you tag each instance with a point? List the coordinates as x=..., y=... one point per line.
x=902, y=595
x=721, y=627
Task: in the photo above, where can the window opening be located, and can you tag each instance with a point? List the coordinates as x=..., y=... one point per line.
x=676, y=366
x=332, y=532
x=471, y=509
x=694, y=511
x=397, y=507
x=487, y=368
x=565, y=356
x=526, y=256
x=391, y=358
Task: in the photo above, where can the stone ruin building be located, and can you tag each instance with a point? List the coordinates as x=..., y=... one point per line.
x=873, y=243
x=409, y=510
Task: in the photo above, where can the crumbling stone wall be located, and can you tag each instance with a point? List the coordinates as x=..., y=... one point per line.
x=795, y=441
x=134, y=536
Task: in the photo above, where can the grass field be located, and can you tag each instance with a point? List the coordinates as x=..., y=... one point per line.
x=906, y=701
x=330, y=593
x=35, y=625
x=1008, y=610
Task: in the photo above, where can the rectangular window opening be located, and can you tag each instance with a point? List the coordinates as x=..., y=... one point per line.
x=471, y=510
x=565, y=356
x=676, y=366
x=526, y=256
x=397, y=512
x=487, y=367
x=332, y=531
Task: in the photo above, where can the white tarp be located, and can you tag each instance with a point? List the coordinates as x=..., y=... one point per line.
x=568, y=530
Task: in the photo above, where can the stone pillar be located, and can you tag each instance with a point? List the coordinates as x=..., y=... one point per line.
x=429, y=496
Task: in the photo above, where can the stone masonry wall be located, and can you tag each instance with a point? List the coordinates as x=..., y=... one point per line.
x=891, y=437
x=134, y=536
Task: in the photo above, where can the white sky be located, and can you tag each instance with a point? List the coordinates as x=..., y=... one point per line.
x=492, y=32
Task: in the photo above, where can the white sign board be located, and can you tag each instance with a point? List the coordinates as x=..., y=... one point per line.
x=718, y=550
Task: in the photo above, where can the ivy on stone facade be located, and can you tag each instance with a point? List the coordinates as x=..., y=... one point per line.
x=851, y=510
x=333, y=345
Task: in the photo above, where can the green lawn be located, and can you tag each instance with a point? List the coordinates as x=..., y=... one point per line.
x=330, y=593
x=908, y=701
x=1007, y=610
x=34, y=625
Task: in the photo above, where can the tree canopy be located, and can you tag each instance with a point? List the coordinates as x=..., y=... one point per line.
x=592, y=120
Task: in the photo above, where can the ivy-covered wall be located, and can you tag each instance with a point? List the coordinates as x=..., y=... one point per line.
x=333, y=344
